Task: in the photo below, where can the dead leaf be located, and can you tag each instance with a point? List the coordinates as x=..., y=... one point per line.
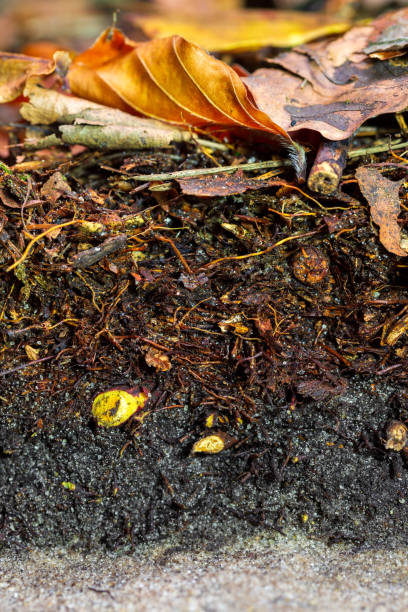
x=32, y=353
x=172, y=80
x=320, y=390
x=242, y=30
x=157, y=359
x=215, y=186
x=55, y=187
x=383, y=197
x=390, y=34
x=15, y=69
x=7, y=200
x=331, y=87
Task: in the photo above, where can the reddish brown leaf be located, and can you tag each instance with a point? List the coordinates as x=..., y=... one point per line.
x=331, y=87
x=382, y=195
x=213, y=186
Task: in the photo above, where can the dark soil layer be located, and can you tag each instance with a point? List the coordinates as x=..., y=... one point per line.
x=292, y=363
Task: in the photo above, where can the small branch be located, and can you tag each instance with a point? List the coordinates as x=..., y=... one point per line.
x=88, y=258
x=168, y=176
x=328, y=166
x=377, y=149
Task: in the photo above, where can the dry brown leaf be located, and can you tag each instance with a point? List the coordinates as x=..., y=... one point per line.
x=331, y=87
x=383, y=198
x=15, y=69
x=157, y=359
x=172, y=80
x=243, y=30
x=215, y=186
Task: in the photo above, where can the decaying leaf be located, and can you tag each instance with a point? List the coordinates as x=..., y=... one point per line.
x=215, y=186
x=172, y=80
x=55, y=187
x=15, y=69
x=382, y=196
x=321, y=390
x=243, y=30
x=157, y=359
x=115, y=406
x=332, y=87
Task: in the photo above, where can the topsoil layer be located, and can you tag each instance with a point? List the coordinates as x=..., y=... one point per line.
x=295, y=370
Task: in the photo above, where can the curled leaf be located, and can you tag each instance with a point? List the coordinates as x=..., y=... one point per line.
x=173, y=80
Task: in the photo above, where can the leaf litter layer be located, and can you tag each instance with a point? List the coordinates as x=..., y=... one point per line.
x=295, y=352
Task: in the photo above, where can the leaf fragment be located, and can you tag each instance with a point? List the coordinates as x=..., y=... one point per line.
x=115, y=406
x=383, y=198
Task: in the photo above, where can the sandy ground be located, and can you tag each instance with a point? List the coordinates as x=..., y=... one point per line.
x=292, y=573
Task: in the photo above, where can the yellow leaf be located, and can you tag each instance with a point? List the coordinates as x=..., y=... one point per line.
x=31, y=352
x=114, y=407
x=214, y=443
x=244, y=30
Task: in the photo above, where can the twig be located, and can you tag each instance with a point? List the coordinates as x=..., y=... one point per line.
x=328, y=166
x=26, y=365
x=377, y=149
x=205, y=171
x=211, y=144
x=88, y=258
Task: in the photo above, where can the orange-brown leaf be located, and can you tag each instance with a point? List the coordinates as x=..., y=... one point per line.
x=169, y=79
x=15, y=69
